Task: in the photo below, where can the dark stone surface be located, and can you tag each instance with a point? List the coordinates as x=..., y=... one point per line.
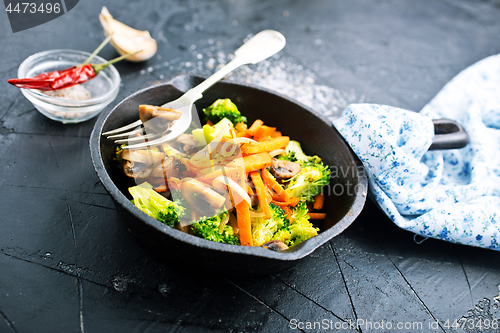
x=68, y=264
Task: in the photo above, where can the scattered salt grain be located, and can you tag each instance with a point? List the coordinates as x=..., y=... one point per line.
x=278, y=73
x=75, y=93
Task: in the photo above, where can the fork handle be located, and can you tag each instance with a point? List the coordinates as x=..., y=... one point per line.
x=261, y=46
x=196, y=93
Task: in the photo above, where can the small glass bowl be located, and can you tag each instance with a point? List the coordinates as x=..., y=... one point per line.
x=104, y=87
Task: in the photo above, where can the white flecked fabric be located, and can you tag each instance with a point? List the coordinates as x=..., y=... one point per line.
x=453, y=195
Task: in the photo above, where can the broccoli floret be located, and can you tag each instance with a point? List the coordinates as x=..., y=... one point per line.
x=209, y=228
x=118, y=156
x=206, y=134
x=155, y=205
x=309, y=182
x=224, y=108
x=301, y=229
x=294, y=147
x=180, y=201
x=290, y=156
x=274, y=228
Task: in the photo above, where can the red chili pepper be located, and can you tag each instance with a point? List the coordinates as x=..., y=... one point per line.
x=65, y=78
x=57, y=79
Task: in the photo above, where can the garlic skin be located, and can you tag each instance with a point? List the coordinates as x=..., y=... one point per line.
x=126, y=39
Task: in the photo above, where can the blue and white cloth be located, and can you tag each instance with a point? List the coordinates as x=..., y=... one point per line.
x=453, y=195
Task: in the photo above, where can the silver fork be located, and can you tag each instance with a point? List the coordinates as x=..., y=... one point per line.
x=261, y=46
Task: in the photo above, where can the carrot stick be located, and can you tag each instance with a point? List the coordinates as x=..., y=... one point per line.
x=256, y=124
x=273, y=184
x=294, y=201
x=242, y=135
x=319, y=201
x=261, y=193
x=249, y=190
x=264, y=131
x=237, y=174
x=281, y=203
x=241, y=127
x=265, y=146
x=257, y=161
x=244, y=224
x=288, y=213
x=161, y=188
x=269, y=194
x=316, y=216
x=276, y=198
x=207, y=177
x=276, y=134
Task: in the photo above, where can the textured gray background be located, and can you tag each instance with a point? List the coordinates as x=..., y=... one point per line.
x=67, y=264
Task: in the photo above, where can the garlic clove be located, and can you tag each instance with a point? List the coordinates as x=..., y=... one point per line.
x=126, y=39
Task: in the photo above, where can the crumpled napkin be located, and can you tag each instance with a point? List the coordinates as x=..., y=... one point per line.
x=453, y=195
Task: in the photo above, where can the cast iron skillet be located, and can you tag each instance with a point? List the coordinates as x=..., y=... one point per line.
x=344, y=198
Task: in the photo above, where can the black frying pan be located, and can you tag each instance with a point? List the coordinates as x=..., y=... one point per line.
x=344, y=198
x=448, y=134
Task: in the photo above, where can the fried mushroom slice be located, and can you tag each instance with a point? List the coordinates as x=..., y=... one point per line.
x=136, y=170
x=156, y=118
x=275, y=245
x=143, y=156
x=254, y=199
x=284, y=169
x=165, y=169
x=187, y=139
x=147, y=112
x=188, y=142
x=183, y=227
x=200, y=197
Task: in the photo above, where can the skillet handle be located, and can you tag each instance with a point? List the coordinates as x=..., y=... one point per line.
x=448, y=135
